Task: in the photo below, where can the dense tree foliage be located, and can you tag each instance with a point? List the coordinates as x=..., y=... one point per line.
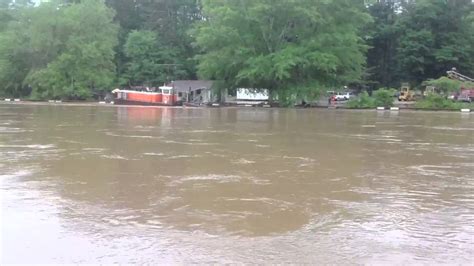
x=421, y=39
x=289, y=47
x=59, y=51
x=436, y=37
x=171, y=20
x=150, y=63
x=77, y=49
x=381, y=58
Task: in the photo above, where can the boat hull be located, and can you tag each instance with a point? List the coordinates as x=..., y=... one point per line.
x=139, y=103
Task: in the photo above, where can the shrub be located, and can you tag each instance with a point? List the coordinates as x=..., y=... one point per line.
x=447, y=85
x=363, y=101
x=384, y=97
x=435, y=101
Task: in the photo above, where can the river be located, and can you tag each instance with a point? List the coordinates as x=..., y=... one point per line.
x=180, y=185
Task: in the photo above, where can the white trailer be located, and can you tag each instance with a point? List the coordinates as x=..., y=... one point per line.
x=252, y=94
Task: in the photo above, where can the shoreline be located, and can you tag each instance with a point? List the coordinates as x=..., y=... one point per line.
x=102, y=104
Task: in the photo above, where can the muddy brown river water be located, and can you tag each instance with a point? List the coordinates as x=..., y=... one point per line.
x=167, y=186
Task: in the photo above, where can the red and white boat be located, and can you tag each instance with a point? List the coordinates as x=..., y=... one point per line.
x=163, y=96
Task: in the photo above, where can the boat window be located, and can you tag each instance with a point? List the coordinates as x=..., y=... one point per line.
x=167, y=92
x=180, y=94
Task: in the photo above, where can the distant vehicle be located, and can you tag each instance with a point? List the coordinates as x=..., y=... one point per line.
x=244, y=94
x=343, y=96
x=405, y=93
x=431, y=90
x=464, y=98
x=466, y=94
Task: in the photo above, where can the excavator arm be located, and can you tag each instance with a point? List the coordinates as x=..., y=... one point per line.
x=466, y=94
x=453, y=74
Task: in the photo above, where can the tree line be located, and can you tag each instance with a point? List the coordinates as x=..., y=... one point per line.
x=80, y=49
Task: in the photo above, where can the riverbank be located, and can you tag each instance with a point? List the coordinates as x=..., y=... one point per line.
x=80, y=104
x=403, y=106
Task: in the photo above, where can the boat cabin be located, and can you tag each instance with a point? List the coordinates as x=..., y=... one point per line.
x=157, y=96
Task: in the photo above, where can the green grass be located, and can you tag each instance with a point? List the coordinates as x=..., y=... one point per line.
x=435, y=101
x=381, y=97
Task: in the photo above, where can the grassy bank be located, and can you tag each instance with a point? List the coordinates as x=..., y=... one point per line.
x=384, y=98
x=380, y=98
x=434, y=101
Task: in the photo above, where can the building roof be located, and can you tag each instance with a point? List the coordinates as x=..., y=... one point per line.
x=191, y=85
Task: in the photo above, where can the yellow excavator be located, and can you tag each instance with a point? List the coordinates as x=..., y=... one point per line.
x=405, y=93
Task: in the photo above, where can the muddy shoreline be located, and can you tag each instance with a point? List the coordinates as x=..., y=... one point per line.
x=335, y=107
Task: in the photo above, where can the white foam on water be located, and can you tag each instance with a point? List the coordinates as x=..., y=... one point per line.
x=261, y=134
x=195, y=140
x=205, y=131
x=13, y=130
x=375, y=137
x=145, y=127
x=142, y=137
x=212, y=177
x=72, y=141
x=189, y=143
x=114, y=156
x=133, y=136
x=453, y=128
x=431, y=170
x=306, y=159
x=93, y=149
x=270, y=201
x=262, y=146
x=33, y=146
x=243, y=161
x=184, y=156
x=113, y=134
x=154, y=154
x=17, y=174
x=154, y=222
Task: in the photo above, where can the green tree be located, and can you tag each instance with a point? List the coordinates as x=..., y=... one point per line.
x=85, y=66
x=129, y=19
x=150, y=63
x=171, y=20
x=381, y=57
x=61, y=51
x=436, y=35
x=288, y=47
x=15, y=56
x=5, y=15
